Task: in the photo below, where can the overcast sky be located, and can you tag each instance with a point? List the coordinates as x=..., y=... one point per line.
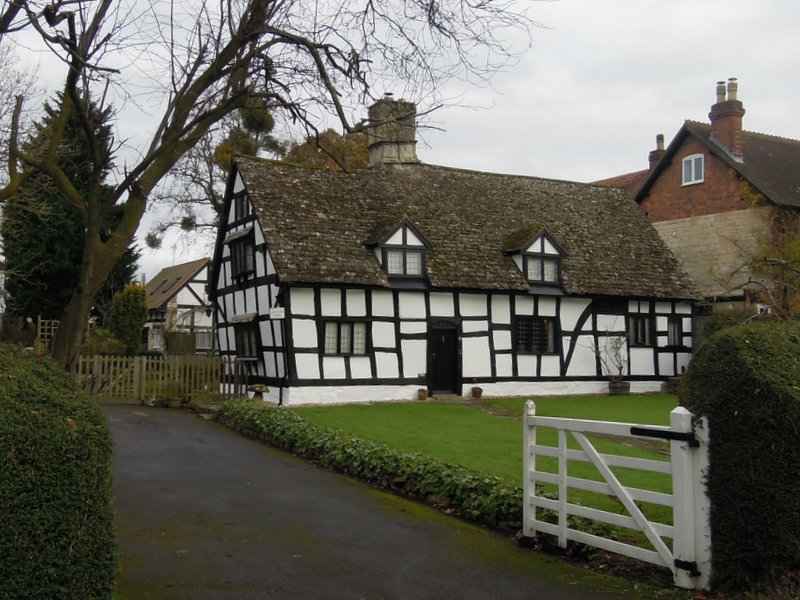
x=602, y=79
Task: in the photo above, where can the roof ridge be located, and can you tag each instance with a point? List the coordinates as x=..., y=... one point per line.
x=781, y=138
x=516, y=175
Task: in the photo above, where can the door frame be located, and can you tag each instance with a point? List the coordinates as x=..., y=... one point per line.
x=448, y=324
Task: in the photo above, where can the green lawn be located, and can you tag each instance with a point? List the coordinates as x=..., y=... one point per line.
x=487, y=437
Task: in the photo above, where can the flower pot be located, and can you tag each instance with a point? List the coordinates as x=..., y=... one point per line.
x=476, y=393
x=422, y=394
x=619, y=386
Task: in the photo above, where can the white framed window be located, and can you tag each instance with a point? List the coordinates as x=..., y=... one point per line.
x=345, y=338
x=693, y=169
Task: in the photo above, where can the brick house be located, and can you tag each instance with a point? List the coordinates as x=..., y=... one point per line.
x=718, y=195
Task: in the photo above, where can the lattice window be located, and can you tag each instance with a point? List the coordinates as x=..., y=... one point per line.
x=535, y=335
x=345, y=338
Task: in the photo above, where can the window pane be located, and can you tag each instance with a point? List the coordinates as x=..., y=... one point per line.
x=534, y=269
x=359, y=338
x=550, y=346
x=674, y=333
x=413, y=263
x=698, y=168
x=345, y=338
x=249, y=257
x=394, y=262
x=331, y=338
x=687, y=171
x=550, y=271
x=524, y=334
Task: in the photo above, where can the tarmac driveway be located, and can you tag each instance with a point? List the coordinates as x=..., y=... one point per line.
x=202, y=513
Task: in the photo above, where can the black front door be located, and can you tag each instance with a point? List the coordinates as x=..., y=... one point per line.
x=443, y=360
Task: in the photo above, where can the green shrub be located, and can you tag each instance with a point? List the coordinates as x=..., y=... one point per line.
x=746, y=379
x=128, y=314
x=480, y=498
x=56, y=537
x=102, y=341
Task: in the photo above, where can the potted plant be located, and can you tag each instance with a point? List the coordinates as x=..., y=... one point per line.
x=476, y=393
x=614, y=362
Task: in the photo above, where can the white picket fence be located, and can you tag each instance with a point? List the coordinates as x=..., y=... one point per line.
x=689, y=555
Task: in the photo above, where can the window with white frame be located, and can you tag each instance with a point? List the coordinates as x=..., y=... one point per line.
x=345, y=338
x=403, y=254
x=542, y=262
x=693, y=169
x=675, y=331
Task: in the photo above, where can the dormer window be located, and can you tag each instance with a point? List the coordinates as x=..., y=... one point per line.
x=541, y=262
x=693, y=169
x=401, y=251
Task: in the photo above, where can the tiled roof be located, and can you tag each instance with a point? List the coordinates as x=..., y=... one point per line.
x=316, y=223
x=161, y=288
x=630, y=182
x=770, y=163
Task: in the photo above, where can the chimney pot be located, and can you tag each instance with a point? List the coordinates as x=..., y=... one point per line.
x=658, y=153
x=720, y=91
x=733, y=88
x=660, y=141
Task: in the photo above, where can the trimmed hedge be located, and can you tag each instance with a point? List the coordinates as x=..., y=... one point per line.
x=746, y=379
x=56, y=536
x=483, y=499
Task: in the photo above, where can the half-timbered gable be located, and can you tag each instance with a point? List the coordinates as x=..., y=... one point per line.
x=372, y=285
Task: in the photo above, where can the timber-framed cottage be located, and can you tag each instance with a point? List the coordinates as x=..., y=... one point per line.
x=366, y=286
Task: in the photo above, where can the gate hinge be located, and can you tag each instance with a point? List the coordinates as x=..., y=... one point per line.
x=687, y=565
x=666, y=435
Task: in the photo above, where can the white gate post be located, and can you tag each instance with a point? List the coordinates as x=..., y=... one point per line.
x=683, y=494
x=702, y=504
x=528, y=460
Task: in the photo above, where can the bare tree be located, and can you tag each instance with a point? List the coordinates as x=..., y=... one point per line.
x=303, y=58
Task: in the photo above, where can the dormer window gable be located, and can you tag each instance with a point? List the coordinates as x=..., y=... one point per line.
x=401, y=251
x=539, y=260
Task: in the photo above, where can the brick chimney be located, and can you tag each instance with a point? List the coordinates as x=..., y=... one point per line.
x=391, y=132
x=726, y=118
x=655, y=155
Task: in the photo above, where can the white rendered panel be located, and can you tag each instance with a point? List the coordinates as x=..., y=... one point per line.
x=687, y=341
x=583, y=358
x=333, y=367
x=379, y=255
x=472, y=305
x=356, y=303
x=413, y=326
x=523, y=305
x=222, y=339
x=661, y=323
x=386, y=365
x=184, y=296
x=687, y=324
x=229, y=305
x=610, y=323
x=260, y=267
x=250, y=298
x=302, y=301
x=415, y=357
x=270, y=264
x=397, y=238
x=662, y=341
x=360, y=367
x=238, y=297
x=503, y=365
x=226, y=250
x=226, y=267
x=411, y=239
x=551, y=366
x=258, y=235
x=571, y=310
x=304, y=333
x=382, y=303
x=666, y=363
x=502, y=340
x=281, y=365
x=269, y=364
x=526, y=365
x=501, y=309
x=475, y=326
x=608, y=361
x=238, y=183
x=349, y=394
x=331, y=302
x=517, y=260
x=548, y=247
x=412, y=305
x=536, y=246
x=442, y=304
x=683, y=361
x=642, y=361
x=383, y=334
x=263, y=298
x=307, y=365
x=476, y=357
x=547, y=306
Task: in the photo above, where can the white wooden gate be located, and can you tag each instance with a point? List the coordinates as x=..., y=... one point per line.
x=689, y=555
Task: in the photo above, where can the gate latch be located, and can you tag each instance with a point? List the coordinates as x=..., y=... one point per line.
x=666, y=435
x=687, y=565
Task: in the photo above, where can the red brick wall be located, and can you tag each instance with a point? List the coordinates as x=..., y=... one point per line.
x=719, y=192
